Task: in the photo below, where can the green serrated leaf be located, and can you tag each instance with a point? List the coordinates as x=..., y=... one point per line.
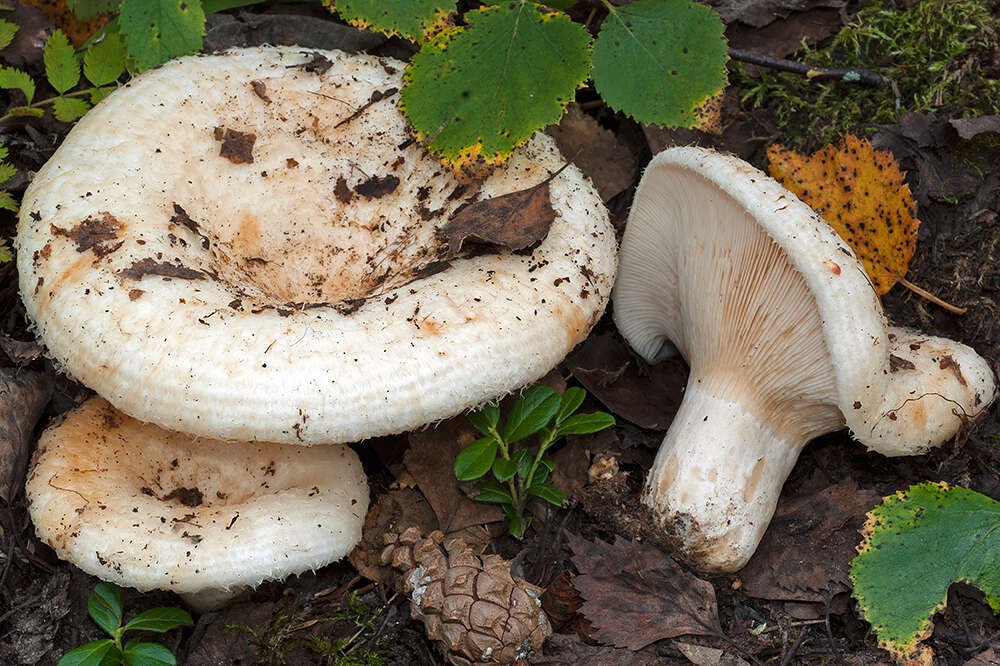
x=413, y=19
x=7, y=32
x=15, y=78
x=548, y=492
x=5, y=253
x=215, y=6
x=584, y=424
x=97, y=94
x=158, y=30
x=62, y=69
x=104, y=61
x=473, y=95
x=91, y=654
x=485, y=418
x=660, y=60
x=148, y=654
x=87, y=9
x=34, y=112
x=917, y=543
x=7, y=171
x=476, y=459
x=490, y=491
x=159, y=619
x=570, y=401
x=531, y=412
x=105, y=606
x=68, y=109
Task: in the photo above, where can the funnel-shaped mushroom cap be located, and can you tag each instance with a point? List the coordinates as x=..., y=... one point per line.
x=248, y=246
x=786, y=340
x=147, y=508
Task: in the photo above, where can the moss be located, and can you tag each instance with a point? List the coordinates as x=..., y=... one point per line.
x=936, y=56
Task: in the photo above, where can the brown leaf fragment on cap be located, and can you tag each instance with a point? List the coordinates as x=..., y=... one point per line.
x=342, y=191
x=93, y=234
x=376, y=96
x=181, y=217
x=949, y=363
x=516, y=221
x=897, y=363
x=237, y=147
x=318, y=65
x=376, y=187
x=260, y=89
x=150, y=266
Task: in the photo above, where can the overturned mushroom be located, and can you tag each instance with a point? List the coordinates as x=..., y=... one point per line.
x=144, y=507
x=248, y=246
x=786, y=340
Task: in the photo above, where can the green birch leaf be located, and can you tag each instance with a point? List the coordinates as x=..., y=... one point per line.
x=68, y=109
x=917, y=543
x=62, y=69
x=473, y=95
x=87, y=9
x=660, y=61
x=104, y=61
x=8, y=202
x=413, y=19
x=158, y=30
x=15, y=78
x=7, y=32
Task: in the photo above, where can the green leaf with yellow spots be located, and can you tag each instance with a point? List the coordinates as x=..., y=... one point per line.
x=862, y=193
x=917, y=543
x=158, y=30
x=413, y=19
x=473, y=95
x=661, y=61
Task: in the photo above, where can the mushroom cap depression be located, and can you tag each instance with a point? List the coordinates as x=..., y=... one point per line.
x=247, y=246
x=148, y=508
x=786, y=340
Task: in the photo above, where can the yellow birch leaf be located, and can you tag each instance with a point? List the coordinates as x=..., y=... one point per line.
x=861, y=192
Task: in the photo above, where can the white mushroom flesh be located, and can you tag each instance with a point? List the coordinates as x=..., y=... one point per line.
x=785, y=338
x=233, y=245
x=148, y=508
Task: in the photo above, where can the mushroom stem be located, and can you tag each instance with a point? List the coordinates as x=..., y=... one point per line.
x=716, y=479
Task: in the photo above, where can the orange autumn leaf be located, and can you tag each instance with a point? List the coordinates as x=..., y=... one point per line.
x=861, y=193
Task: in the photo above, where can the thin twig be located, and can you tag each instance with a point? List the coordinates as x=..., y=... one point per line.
x=785, y=660
x=846, y=74
x=920, y=291
x=829, y=631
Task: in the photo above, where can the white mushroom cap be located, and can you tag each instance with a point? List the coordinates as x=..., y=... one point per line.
x=786, y=340
x=296, y=312
x=147, y=508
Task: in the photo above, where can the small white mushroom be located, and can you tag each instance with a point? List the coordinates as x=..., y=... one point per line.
x=244, y=246
x=148, y=508
x=785, y=338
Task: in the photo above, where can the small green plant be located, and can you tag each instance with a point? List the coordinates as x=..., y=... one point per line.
x=103, y=63
x=105, y=607
x=476, y=91
x=521, y=473
x=916, y=544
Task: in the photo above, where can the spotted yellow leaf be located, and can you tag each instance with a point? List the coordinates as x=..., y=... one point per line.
x=861, y=192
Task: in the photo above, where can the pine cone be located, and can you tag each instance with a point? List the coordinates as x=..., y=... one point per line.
x=469, y=603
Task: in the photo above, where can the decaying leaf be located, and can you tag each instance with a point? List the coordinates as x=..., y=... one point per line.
x=569, y=650
x=430, y=459
x=634, y=594
x=805, y=552
x=596, y=150
x=23, y=396
x=861, y=192
x=517, y=220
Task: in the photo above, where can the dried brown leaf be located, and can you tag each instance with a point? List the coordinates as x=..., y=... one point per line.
x=597, y=151
x=430, y=459
x=571, y=651
x=634, y=594
x=807, y=549
x=23, y=396
x=516, y=221
x=606, y=368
